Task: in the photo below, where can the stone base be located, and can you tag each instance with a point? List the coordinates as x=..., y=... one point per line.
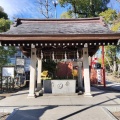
x=31, y=96
x=39, y=93
x=63, y=86
x=88, y=95
x=66, y=94
x=39, y=86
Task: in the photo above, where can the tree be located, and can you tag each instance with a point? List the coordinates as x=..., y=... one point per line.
x=50, y=66
x=4, y=25
x=3, y=14
x=111, y=52
x=109, y=15
x=66, y=15
x=4, y=22
x=116, y=23
x=85, y=8
x=5, y=51
x=46, y=8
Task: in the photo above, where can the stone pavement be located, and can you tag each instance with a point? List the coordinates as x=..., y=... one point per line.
x=114, y=85
x=49, y=107
x=110, y=86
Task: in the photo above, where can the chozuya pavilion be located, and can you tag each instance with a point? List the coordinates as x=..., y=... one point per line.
x=40, y=38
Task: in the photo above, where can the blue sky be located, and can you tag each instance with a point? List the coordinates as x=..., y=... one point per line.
x=24, y=8
x=29, y=9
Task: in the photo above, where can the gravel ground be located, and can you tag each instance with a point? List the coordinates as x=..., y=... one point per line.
x=112, y=78
x=117, y=115
x=3, y=116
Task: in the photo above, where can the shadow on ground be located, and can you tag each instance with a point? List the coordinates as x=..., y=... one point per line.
x=30, y=114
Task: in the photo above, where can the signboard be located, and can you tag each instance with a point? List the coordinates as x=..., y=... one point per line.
x=20, y=70
x=8, y=71
x=20, y=61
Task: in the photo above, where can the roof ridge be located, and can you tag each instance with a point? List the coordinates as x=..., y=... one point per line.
x=82, y=20
x=73, y=19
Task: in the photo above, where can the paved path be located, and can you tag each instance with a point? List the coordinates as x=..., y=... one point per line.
x=114, y=85
x=60, y=107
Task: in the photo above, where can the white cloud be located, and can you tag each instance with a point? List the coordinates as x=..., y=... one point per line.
x=21, y=8
x=24, y=8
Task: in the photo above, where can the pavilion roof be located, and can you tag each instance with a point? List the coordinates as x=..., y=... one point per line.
x=62, y=34
x=83, y=29
x=59, y=26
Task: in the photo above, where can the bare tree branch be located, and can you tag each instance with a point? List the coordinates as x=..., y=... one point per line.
x=46, y=8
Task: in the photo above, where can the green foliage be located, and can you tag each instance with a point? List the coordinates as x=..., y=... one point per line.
x=4, y=22
x=111, y=50
x=85, y=8
x=116, y=23
x=111, y=53
x=3, y=15
x=4, y=53
x=49, y=65
x=66, y=15
x=116, y=27
x=105, y=61
x=4, y=25
x=109, y=15
x=118, y=18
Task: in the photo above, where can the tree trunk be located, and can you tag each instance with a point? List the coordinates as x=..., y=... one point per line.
x=111, y=67
x=118, y=70
x=114, y=66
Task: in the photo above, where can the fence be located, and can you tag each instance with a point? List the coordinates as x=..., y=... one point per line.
x=7, y=84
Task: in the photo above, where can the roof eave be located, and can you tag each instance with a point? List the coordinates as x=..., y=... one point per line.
x=59, y=37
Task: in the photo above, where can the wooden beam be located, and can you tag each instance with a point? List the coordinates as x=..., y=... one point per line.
x=61, y=37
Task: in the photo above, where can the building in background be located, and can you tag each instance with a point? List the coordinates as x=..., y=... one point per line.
x=22, y=65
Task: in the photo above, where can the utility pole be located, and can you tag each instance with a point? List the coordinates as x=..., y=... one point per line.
x=55, y=3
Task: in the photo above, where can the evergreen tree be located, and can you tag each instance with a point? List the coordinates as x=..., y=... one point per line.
x=5, y=51
x=85, y=8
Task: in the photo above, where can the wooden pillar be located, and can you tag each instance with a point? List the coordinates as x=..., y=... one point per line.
x=32, y=73
x=86, y=73
x=39, y=85
x=103, y=66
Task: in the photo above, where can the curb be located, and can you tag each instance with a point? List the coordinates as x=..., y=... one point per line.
x=11, y=115
x=109, y=113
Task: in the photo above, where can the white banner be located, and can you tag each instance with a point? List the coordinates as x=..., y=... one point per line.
x=99, y=75
x=20, y=61
x=8, y=71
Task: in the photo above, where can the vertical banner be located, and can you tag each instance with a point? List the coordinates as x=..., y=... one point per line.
x=99, y=76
